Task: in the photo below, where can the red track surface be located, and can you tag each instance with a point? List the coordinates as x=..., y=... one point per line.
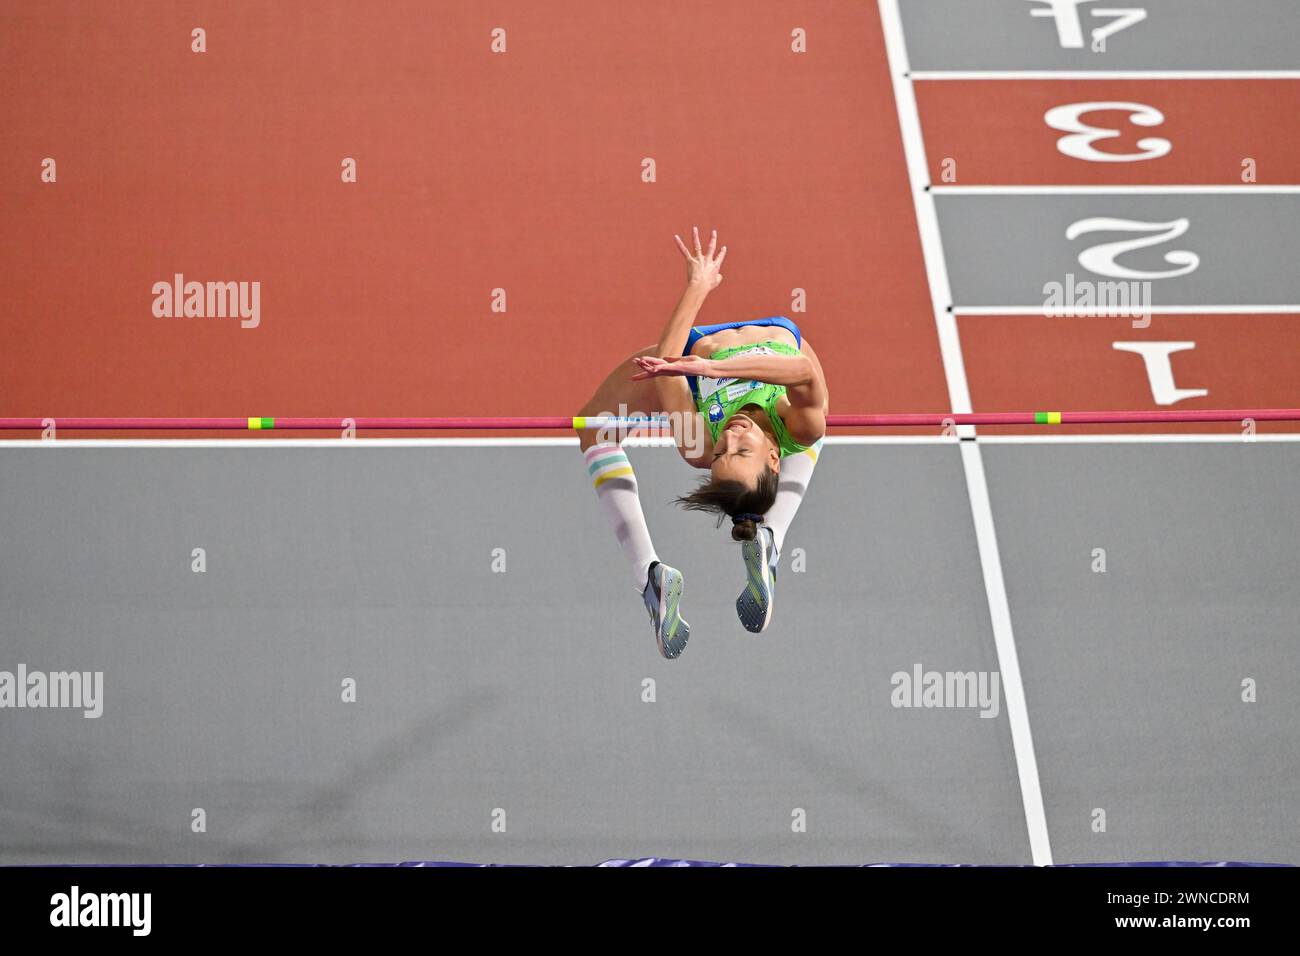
x=522, y=171
x=995, y=130
x=1072, y=363
x=477, y=171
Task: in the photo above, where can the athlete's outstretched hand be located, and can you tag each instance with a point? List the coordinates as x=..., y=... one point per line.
x=702, y=269
x=654, y=367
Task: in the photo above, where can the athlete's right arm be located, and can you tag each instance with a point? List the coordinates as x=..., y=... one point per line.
x=809, y=402
x=703, y=275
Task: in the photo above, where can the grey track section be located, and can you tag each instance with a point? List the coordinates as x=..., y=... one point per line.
x=477, y=691
x=1176, y=35
x=1133, y=677
x=1002, y=250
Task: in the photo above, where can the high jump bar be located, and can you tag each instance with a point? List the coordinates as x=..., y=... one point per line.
x=921, y=419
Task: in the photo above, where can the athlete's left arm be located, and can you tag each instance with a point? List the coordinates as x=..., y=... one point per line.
x=690, y=431
x=809, y=402
x=792, y=371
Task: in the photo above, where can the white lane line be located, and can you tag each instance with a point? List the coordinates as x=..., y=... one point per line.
x=928, y=75
x=1208, y=189
x=1120, y=312
x=959, y=395
x=995, y=590
x=927, y=219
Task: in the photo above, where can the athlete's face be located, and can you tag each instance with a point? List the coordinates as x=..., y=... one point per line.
x=743, y=451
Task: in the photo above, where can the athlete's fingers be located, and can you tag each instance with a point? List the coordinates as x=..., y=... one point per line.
x=713, y=243
x=722, y=255
x=696, y=230
x=682, y=246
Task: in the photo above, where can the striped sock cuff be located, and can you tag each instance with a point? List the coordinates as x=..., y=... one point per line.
x=605, y=461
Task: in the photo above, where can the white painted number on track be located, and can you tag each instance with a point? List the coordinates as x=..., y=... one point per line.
x=1101, y=259
x=1078, y=145
x=1069, y=21
x=1160, y=370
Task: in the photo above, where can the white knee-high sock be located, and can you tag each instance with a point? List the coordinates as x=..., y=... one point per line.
x=611, y=473
x=796, y=471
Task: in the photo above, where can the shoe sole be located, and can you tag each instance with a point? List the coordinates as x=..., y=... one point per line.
x=754, y=606
x=670, y=598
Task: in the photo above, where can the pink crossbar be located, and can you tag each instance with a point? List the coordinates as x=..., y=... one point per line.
x=937, y=419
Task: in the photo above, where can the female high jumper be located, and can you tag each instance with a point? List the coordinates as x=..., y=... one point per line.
x=748, y=401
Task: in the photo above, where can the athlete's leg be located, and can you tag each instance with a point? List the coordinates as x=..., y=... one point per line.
x=615, y=483
x=610, y=471
x=761, y=554
x=796, y=472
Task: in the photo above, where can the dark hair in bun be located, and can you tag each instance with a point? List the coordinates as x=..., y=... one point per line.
x=744, y=504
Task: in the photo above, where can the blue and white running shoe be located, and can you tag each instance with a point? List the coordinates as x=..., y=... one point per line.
x=663, y=596
x=754, y=606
